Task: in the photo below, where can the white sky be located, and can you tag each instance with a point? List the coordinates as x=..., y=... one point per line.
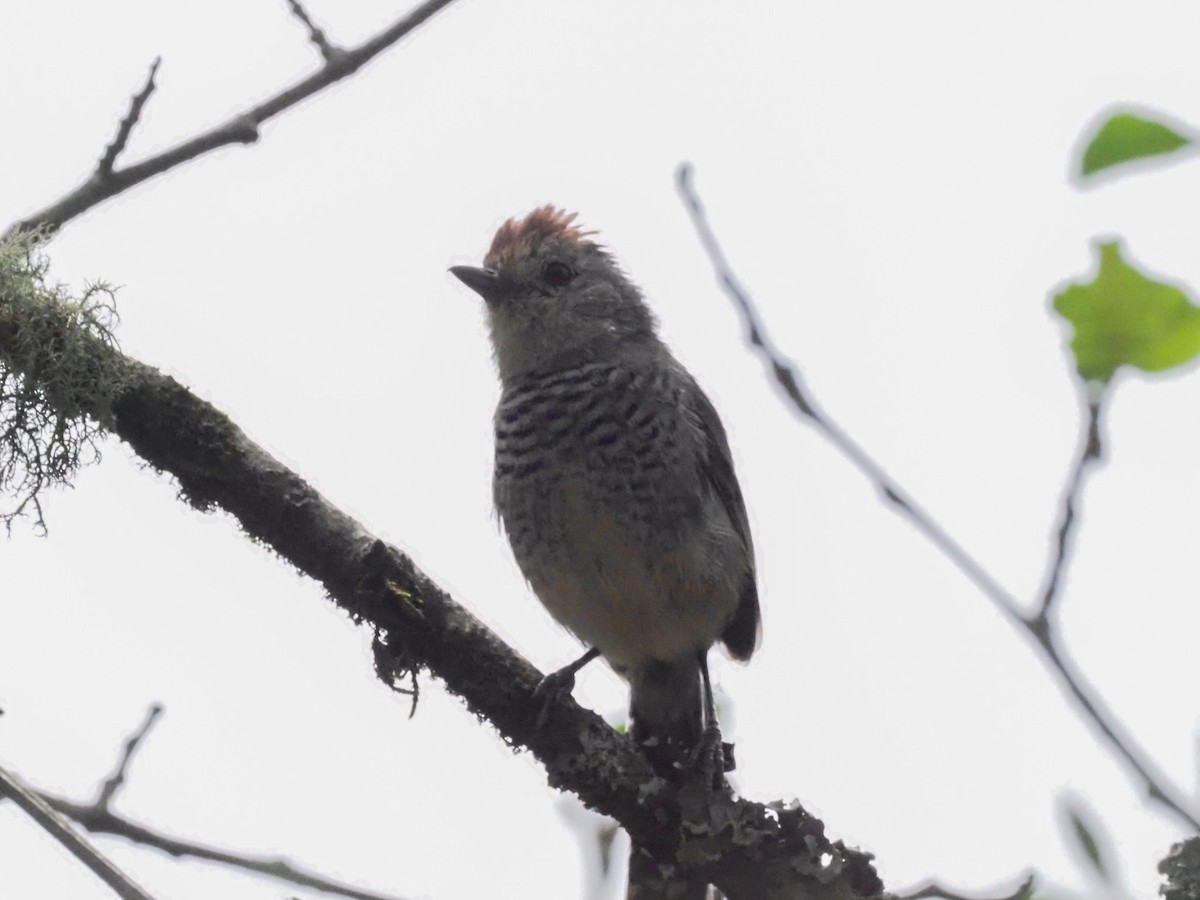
x=890, y=181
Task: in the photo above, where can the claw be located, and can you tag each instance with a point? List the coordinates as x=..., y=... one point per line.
x=727, y=753
x=709, y=759
x=711, y=756
x=550, y=690
x=557, y=685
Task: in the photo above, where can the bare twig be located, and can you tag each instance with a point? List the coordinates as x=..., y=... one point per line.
x=1091, y=452
x=934, y=889
x=43, y=813
x=112, y=151
x=241, y=128
x=788, y=377
x=113, y=783
x=1044, y=630
x=98, y=818
x=328, y=50
x=1038, y=626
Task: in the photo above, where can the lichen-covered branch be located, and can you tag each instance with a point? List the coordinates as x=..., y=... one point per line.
x=54, y=387
x=744, y=848
x=747, y=849
x=1182, y=871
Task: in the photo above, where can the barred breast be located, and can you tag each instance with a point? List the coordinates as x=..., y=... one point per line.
x=598, y=486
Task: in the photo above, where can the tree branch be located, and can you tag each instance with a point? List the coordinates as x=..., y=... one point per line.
x=104, y=821
x=1091, y=452
x=788, y=377
x=98, y=818
x=749, y=850
x=328, y=50
x=1039, y=626
x=242, y=128
x=112, y=151
x=42, y=813
x=740, y=846
x=115, y=781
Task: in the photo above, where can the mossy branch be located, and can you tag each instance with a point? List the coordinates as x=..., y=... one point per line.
x=1182, y=871
x=58, y=377
x=65, y=371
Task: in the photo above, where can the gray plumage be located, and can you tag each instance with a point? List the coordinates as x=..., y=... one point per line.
x=613, y=476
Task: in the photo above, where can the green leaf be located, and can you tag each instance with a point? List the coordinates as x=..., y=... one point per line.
x=1125, y=137
x=1124, y=318
x=1088, y=844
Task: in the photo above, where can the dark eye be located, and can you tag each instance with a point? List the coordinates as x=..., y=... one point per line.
x=556, y=274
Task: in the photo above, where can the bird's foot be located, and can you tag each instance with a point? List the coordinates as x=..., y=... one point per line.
x=550, y=690
x=559, y=684
x=711, y=757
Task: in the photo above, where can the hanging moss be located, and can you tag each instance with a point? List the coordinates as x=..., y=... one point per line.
x=59, y=373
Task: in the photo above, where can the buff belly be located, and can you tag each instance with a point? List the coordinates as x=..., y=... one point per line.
x=631, y=580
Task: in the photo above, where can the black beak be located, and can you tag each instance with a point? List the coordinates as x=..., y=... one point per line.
x=486, y=283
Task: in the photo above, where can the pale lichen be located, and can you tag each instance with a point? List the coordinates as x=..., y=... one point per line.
x=59, y=373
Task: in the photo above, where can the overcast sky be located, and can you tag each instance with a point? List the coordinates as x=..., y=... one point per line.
x=892, y=183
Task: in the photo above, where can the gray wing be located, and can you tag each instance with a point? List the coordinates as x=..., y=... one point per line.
x=716, y=469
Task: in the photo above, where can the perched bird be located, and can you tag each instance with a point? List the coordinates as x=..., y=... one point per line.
x=614, y=482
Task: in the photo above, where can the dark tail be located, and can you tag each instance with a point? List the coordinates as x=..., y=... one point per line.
x=667, y=712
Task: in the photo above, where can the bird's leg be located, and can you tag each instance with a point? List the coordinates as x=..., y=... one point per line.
x=559, y=684
x=711, y=756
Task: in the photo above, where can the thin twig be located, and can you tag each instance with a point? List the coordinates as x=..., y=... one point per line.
x=104, y=821
x=136, y=105
x=1157, y=785
x=788, y=377
x=42, y=812
x=328, y=50
x=241, y=128
x=1044, y=629
x=113, y=783
x=1091, y=452
x=98, y=818
x=1038, y=627
x=934, y=889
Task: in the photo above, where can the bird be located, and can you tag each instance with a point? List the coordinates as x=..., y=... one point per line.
x=615, y=484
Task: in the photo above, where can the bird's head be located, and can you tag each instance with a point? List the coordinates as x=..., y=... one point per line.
x=554, y=296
